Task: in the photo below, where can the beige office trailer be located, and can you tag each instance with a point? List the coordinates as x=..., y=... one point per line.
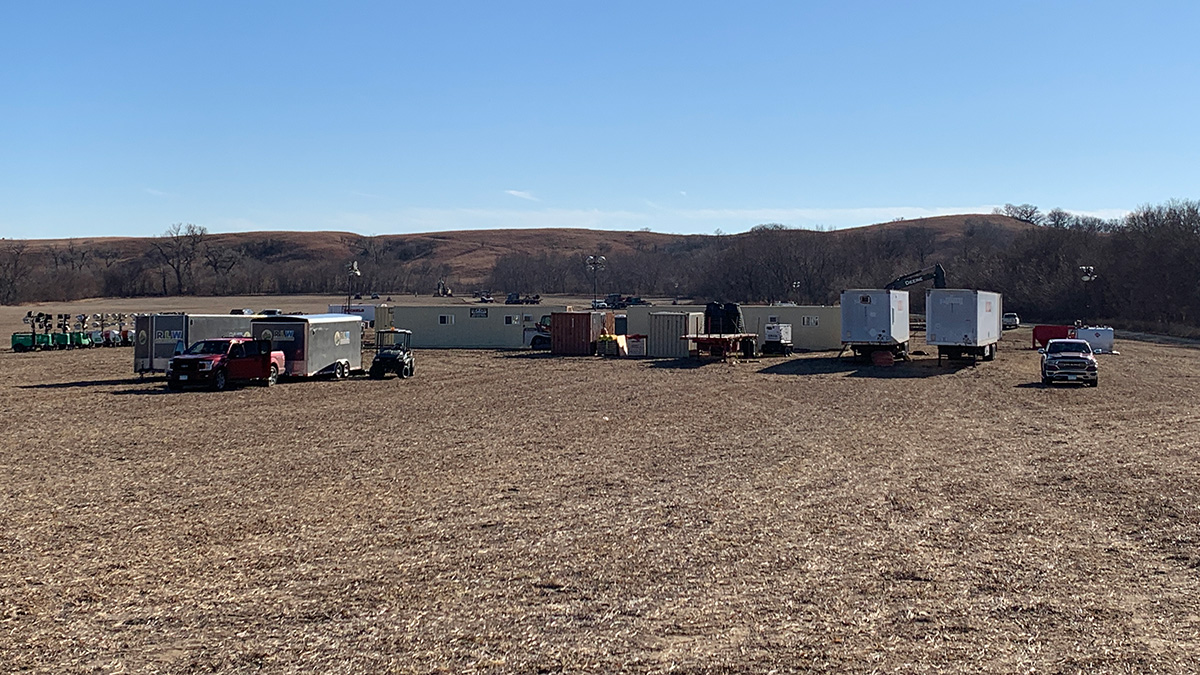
x=477, y=326
x=814, y=327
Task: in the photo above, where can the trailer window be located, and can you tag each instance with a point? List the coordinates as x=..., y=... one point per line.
x=446, y=319
x=773, y=319
x=512, y=319
x=808, y=321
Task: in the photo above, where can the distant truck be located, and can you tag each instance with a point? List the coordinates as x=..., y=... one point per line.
x=219, y=362
x=963, y=323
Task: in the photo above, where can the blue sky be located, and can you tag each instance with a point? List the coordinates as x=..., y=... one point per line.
x=121, y=118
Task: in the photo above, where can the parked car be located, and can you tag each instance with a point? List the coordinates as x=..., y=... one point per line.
x=242, y=312
x=1011, y=320
x=271, y=312
x=1069, y=360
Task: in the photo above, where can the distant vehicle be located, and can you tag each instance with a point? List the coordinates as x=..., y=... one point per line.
x=486, y=297
x=374, y=296
x=1011, y=321
x=518, y=299
x=242, y=312
x=599, y=304
x=218, y=362
x=271, y=312
x=1069, y=360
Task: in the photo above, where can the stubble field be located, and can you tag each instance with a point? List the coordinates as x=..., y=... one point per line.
x=515, y=512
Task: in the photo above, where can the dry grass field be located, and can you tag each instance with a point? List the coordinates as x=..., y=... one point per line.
x=514, y=512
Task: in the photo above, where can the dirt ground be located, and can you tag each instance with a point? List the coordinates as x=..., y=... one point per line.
x=515, y=512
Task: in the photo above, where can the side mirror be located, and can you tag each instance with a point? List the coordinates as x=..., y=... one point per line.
x=1041, y=351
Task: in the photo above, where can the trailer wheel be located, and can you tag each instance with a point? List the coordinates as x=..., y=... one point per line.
x=989, y=353
x=272, y=376
x=18, y=348
x=220, y=381
x=342, y=370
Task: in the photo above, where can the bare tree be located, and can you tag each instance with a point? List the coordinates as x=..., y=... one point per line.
x=1024, y=212
x=14, y=267
x=177, y=249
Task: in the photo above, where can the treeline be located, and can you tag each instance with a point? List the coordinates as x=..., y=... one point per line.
x=1144, y=268
x=1142, y=271
x=188, y=260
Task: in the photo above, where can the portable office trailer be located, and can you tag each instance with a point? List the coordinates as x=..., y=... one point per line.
x=575, y=333
x=468, y=326
x=814, y=327
x=161, y=336
x=666, y=331
x=874, y=319
x=315, y=344
x=961, y=322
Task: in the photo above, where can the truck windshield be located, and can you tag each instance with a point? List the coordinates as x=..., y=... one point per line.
x=1060, y=347
x=208, y=347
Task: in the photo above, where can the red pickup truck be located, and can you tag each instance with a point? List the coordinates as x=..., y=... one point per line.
x=219, y=362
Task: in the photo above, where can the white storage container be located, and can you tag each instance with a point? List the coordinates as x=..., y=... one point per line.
x=666, y=329
x=956, y=317
x=874, y=317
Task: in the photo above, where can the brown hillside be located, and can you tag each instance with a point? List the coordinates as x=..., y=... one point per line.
x=471, y=254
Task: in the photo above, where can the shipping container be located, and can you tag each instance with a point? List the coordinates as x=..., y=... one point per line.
x=576, y=333
x=159, y=337
x=315, y=344
x=961, y=322
x=875, y=319
x=1046, y=333
x=667, y=330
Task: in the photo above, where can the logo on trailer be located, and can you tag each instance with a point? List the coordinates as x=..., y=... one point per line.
x=280, y=335
x=167, y=336
x=341, y=337
x=142, y=337
x=266, y=334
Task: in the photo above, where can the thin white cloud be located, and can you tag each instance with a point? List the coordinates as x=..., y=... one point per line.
x=521, y=194
x=157, y=193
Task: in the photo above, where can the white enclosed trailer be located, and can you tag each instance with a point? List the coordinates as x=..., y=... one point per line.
x=315, y=344
x=961, y=322
x=1101, y=338
x=875, y=319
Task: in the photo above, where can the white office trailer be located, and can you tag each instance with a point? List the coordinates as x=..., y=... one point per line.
x=470, y=326
x=814, y=327
x=875, y=319
x=963, y=323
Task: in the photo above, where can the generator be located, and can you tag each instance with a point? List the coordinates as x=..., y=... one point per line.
x=777, y=338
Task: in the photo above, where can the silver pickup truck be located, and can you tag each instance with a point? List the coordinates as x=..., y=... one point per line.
x=1069, y=361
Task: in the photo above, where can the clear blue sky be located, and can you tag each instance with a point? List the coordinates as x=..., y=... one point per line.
x=121, y=118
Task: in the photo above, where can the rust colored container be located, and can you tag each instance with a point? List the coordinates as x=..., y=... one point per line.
x=1043, y=334
x=575, y=333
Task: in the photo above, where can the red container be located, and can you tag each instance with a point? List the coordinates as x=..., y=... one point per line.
x=1044, y=334
x=575, y=333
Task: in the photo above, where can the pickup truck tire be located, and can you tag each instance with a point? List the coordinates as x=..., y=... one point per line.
x=220, y=380
x=1047, y=381
x=272, y=376
x=173, y=384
